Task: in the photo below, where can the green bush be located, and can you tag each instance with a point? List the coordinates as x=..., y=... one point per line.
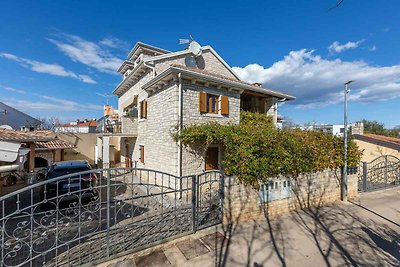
x=255, y=151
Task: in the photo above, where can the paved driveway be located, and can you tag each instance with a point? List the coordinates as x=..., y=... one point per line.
x=365, y=232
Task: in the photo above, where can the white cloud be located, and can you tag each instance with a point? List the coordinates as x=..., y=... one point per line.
x=89, y=53
x=336, y=47
x=51, y=104
x=11, y=89
x=372, y=48
x=316, y=81
x=52, y=69
x=114, y=43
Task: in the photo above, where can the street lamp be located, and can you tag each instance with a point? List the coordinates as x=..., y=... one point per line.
x=344, y=176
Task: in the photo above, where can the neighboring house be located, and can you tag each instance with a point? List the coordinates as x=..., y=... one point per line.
x=163, y=91
x=17, y=119
x=45, y=147
x=373, y=146
x=85, y=126
x=337, y=129
x=334, y=129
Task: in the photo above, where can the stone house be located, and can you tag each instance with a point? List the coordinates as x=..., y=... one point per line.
x=163, y=91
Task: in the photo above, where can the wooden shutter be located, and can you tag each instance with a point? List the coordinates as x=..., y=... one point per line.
x=145, y=109
x=141, y=110
x=203, y=102
x=141, y=148
x=224, y=105
x=135, y=98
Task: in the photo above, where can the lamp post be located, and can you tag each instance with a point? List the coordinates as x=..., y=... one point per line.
x=344, y=175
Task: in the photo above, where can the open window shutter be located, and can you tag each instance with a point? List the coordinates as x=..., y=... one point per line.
x=203, y=102
x=224, y=105
x=135, y=98
x=142, y=154
x=141, y=110
x=145, y=109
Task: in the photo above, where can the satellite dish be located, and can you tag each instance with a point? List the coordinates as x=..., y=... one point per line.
x=190, y=61
x=195, y=48
x=7, y=127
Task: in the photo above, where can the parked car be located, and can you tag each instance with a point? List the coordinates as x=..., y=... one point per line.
x=73, y=187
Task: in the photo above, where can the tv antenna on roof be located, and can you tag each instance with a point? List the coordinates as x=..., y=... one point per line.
x=106, y=96
x=193, y=47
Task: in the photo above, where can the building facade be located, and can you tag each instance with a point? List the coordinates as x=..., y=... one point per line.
x=164, y=91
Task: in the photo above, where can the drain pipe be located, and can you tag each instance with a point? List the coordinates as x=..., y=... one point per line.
x=150, y=67
x=180, y=124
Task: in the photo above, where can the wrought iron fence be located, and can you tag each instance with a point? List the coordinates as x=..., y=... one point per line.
x=95, y=215
x=380, y=173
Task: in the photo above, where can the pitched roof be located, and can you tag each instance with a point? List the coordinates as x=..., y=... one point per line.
x=22, y=136
x=390, y=142
x=16, y=118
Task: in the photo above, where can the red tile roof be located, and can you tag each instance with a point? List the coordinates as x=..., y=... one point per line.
x=92, y=123
x=22, y=136
x=54, y=144
x=393, y=140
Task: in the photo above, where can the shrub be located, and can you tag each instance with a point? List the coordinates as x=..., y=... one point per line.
x=255, y=150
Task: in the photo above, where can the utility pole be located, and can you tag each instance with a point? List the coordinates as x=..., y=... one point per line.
x=344, y=174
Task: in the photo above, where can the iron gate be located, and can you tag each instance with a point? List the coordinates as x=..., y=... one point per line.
x=380, y=173
x=96, y=215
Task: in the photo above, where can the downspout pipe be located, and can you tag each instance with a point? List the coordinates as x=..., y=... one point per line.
x=150, y=67
x=180, y=123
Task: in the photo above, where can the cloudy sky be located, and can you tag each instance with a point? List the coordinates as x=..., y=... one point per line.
x=58, y=57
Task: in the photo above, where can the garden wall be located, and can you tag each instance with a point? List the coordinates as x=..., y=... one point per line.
x=244, y=203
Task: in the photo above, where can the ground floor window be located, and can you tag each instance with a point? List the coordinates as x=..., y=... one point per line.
x=212, y=158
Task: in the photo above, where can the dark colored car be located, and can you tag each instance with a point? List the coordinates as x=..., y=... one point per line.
x=73, y=187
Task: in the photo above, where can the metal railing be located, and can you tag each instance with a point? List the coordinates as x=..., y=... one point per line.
x=92, y=216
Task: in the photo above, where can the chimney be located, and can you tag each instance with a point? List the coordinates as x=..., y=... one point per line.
x=257, y=84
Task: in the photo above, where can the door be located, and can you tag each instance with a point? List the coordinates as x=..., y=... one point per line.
x=128, y=160
x=212, y=158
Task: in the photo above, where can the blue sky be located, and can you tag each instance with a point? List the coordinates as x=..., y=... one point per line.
x=55, y=56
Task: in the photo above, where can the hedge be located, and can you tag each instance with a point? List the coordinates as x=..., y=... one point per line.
x=254, y=150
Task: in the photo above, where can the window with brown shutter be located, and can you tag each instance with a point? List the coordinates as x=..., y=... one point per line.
x=141, y=150
x=224, y=105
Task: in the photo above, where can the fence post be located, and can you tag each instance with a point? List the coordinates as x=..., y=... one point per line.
x=364, y=177
x=108, y=211
x=194, y=193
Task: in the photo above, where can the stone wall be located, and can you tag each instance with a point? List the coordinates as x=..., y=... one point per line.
x=156, y=132
x=207, y=61
x=193, y=159
x=242, y=203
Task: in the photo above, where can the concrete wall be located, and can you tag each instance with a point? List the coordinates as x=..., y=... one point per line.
x=242, y=203
x=372, y=151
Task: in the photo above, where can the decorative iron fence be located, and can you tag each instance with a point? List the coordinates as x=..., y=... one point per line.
x=95, y=215
x=380, y=173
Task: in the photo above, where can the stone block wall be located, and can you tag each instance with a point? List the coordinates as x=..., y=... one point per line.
x=207, y=61
x=193, y=159
x=242, y=203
